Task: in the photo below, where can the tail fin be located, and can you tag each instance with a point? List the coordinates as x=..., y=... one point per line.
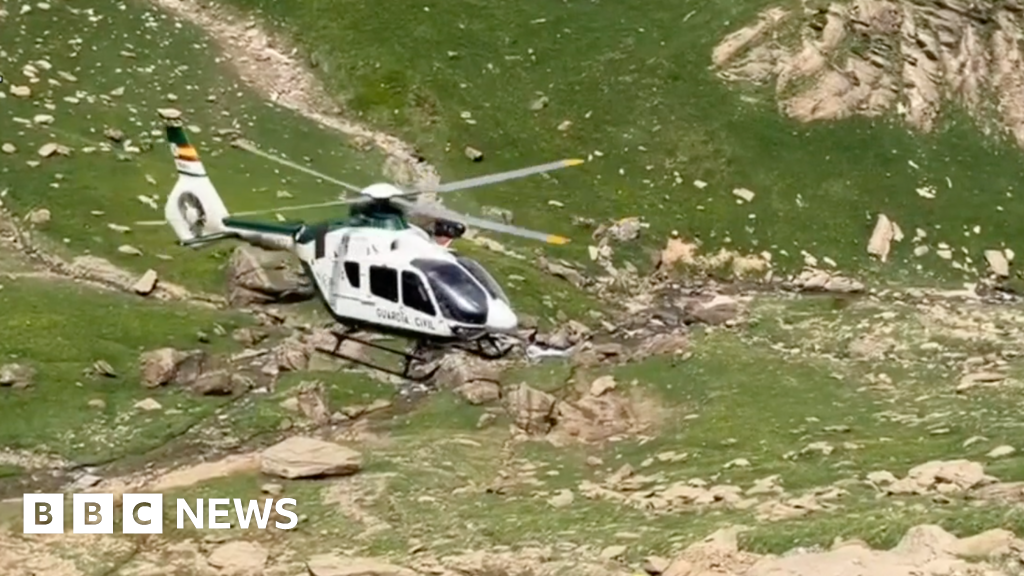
x=193, y=208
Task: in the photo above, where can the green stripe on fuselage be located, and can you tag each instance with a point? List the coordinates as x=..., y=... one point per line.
x=282, y=229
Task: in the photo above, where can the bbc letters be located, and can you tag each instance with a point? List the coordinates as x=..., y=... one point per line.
x=144, y=513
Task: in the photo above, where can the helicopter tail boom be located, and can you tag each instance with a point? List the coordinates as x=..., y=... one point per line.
x=193, y=209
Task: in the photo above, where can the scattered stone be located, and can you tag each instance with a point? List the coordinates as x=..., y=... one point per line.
x=1001, y=451
x=479, y=392
x=113, y=134
x=272, y=489
x=249, y=336
x=169, y=113
x=562, y=499
x=217, y=383
x=881, y=478
x=103, y=368
x=743, y=194
x=942, y=476
x=16, y=375
x=975, y=379
x=48, y=149
x=333, y=565
x=998, y=263
x=167, y=365
x=130, y=250
x=613, y=552
x=21, y=91
x=38, y=217
x=146, y=283
x=474, y=154
x=885, y=233
x=304, y=457
x=602, y=385
x=42, y=119
x=239, y=558
x=8, y=148
x=311, y=401
x=148, y=405
x=626, y=229
x=656, y=565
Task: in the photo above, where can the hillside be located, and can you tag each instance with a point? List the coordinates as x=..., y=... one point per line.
x=787, y=339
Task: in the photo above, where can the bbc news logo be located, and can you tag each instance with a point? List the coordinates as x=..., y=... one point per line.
x=144, y=513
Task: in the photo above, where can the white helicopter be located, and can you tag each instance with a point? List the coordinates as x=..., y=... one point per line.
x=373, y=270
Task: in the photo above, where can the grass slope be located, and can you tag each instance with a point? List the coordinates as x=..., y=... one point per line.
x=636, y=86
x=142, y=51
x=159, y=62
x=61, y=329
x=427, y=475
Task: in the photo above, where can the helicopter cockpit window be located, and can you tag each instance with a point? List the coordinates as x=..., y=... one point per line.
x=483, y=277
x=384, y=283
x=458, y=295
x=414, y=293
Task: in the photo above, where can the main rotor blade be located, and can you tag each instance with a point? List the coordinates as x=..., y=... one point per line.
x=438, y=211
x=497, y=177
x=250, y=148
x=269, y=210
x=300, y=207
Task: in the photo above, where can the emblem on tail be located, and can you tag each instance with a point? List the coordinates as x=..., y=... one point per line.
x=193, y=209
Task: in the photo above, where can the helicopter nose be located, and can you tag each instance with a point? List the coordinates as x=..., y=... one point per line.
x=501, y=318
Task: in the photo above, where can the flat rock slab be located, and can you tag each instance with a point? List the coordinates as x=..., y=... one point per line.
x=304, y=457
x=331, y=565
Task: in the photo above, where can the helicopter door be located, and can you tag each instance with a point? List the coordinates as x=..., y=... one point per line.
x=415, y=295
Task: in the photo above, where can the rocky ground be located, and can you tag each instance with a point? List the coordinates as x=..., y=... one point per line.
x=874, y=57
x=764, y=425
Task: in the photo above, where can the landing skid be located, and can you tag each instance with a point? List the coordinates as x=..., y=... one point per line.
x=408, y=357
x=487, y=347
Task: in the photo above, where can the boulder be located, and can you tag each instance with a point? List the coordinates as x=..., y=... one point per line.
x=532, y=410
x=304, y=457
x=239, y=558
x=167, y=365
x=16, y=375
x=257, y=276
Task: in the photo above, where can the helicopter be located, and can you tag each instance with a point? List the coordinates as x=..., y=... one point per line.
x=373, y=271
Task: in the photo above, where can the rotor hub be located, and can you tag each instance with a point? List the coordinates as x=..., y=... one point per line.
x=381, y=191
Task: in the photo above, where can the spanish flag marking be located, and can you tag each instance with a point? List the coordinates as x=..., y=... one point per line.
x=184, y=152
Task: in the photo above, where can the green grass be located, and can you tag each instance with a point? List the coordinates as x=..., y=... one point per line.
x=631, y=78
x=167, y=59
x=61, y=329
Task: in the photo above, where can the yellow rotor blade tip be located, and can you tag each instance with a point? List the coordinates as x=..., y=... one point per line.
x=573, y=162
x=557, y=240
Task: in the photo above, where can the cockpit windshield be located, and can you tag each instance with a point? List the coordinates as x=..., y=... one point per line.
x=483, y=277
x=458, y=295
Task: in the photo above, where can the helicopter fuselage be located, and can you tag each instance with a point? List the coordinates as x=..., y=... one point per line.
x=401, y=281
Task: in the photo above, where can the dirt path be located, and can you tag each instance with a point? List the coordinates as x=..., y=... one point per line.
x=263, y=61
